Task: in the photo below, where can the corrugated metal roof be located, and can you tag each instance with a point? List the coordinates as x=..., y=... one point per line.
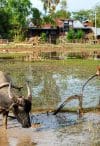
x=97, y=30
x=77, y=24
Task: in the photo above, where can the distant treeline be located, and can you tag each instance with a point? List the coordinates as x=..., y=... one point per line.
x=16, y=15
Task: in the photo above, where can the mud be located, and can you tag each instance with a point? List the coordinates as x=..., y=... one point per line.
x=49, y=130
x=52, y=83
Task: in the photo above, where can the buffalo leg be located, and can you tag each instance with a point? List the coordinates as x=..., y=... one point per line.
x=5, y=115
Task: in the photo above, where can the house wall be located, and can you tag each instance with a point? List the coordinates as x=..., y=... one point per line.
x=51, y=34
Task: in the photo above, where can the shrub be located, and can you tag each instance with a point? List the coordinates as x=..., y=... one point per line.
x=71, y=35
x=43, y=37
x=79, y=34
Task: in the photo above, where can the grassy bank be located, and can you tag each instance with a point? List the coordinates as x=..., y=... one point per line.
x=11, y=55
x=29, y=47
x=48, y=51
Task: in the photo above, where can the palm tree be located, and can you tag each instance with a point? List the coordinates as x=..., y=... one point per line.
x=49, y=5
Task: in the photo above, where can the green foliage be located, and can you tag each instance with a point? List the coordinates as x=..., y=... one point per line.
x=36, y=16
x=48, y=19
x=50, y=5
x=79, y=34
x=63, y=4
x=11, y=55
x=43, y=37
x=4, y=23
x=18, y=37
x=71, y=34
x=19, y=10
x=62, y=14
x=82, y=15
x=97, y=10
x=89, y=15
x=2, y=3
x=13, y=14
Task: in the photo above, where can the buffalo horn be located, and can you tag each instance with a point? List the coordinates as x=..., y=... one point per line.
x=29, y=96
x=9, y=92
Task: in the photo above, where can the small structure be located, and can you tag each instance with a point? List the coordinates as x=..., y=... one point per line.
x=51, y=33
x=62, y=27
x=91, y=33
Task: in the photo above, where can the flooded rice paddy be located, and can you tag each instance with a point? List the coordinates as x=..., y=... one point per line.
x=52, y=82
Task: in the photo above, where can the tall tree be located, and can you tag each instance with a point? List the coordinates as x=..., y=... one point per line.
x=89, y=14
x=50, y=5
x=3, y=3
x=19, y=10
x=4, y=23
x=36, y=16
x=4, y=20
x=82, y=15
x=63, y=5
x=62, y=14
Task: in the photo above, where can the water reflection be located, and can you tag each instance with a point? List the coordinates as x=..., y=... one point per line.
x=80, y=134
x=55, y=88
x=53, y=122
x=51, y=84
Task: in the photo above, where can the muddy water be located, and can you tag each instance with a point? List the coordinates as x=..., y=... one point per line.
x=54, y=131
x=51, y=84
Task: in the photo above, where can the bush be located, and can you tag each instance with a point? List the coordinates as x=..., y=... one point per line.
x=79, y=34
x=43, y=37
x=71, y=34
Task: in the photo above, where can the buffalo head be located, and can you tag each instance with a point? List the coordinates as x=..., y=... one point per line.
x=21, y=107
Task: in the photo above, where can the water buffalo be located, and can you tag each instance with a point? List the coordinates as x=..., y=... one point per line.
x=20, y=106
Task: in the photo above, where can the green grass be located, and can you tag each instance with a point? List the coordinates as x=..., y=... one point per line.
x=11, y=55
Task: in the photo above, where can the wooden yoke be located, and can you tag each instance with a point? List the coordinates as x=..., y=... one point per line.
x=78, y=97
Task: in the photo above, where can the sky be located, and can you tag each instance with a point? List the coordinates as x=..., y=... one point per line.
x=72, y=5
x=76, y=5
